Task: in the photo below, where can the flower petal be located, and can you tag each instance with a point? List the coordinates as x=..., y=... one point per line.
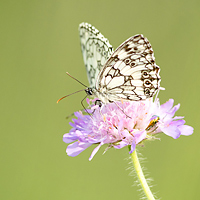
x=167, y=106
x=76, y=148
x=168, y=118
x=171, y=113
x=140, y=136
x=69, y=137
x=178, y=117
x=120, y=145
x=133, y=145
x=186, y=130
x=172, y=131
x=177, y=123
x=95, y=151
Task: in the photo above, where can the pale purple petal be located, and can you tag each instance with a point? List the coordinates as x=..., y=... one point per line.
x=88, y=101
x=177, y=122
x=172, y=131
x=120, y=145
x=76, y=148
x=69, y=137
x=169, y=115
x=120, y=125
x=178, y=117
x=173, y=110
x=141, y=135
x=95, y=151
x=95, y=107
x=72, y=124
x=167, y=106
x=186, y=130
x=133, y=145
x=79, y=115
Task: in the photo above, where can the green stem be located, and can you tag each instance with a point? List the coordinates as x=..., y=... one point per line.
x=141, y=177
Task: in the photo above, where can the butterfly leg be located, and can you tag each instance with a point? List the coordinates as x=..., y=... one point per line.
x=121, y=109
x=160, y=88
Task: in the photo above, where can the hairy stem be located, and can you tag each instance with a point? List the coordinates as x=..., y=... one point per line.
x=141, y=176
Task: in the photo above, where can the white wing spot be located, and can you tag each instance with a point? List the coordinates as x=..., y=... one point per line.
x=115, y=82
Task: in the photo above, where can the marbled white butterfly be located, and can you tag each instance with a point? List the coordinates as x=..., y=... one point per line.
x=129, y=73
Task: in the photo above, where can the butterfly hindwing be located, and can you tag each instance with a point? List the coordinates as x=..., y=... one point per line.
x=130, y=73
x=96, y=49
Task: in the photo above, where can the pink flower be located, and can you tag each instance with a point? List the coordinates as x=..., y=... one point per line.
x=123, y=124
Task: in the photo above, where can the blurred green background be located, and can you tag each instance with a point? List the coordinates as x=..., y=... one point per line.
x=39, y=43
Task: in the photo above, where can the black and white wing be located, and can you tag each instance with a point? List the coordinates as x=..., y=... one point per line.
x=130, y=73
x=96, y=50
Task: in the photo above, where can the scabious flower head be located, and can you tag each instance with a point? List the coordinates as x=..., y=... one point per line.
x=121, y=124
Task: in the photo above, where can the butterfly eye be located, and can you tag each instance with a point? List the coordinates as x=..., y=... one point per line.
x=145, y=74
x=147, y=83
x=89, y=91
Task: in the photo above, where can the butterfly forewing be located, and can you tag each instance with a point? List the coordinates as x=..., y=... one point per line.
x=130, y=73
x=96, y=49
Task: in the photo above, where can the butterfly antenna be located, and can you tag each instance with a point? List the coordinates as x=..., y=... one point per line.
x=76, y=80
x=69, y=95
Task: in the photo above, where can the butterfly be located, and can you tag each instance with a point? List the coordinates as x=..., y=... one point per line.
x=129, y=73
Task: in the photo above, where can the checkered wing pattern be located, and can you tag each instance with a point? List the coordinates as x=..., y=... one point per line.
x=96, y=50
x=130, y=73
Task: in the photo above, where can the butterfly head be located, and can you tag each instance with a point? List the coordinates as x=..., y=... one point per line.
x=89, y=91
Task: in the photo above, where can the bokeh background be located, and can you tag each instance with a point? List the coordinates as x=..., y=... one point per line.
x=39, y=43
